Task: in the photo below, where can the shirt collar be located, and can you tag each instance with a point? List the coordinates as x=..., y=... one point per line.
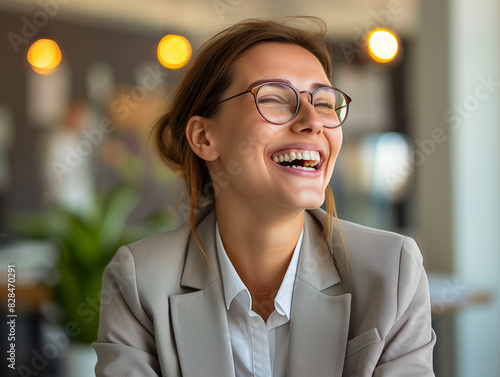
x=233, y=285
x=283, y=300
x=231, y=281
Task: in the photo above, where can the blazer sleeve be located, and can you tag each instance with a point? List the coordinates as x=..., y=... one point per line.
x=126, y=343
x=409, y=343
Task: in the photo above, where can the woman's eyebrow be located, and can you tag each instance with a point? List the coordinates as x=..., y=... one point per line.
x=317, y=85
x=263, y=81
x=314, y=86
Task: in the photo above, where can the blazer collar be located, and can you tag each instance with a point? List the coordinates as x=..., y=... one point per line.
x=315, y=265
x=199, y=318
x=199, y=272
x=319, y=321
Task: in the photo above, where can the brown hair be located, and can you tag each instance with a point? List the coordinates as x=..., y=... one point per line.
x=205, y=82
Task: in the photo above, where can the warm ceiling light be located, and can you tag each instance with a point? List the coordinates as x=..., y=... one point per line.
x=382, y=45
x=174, y=51
x=44, y=56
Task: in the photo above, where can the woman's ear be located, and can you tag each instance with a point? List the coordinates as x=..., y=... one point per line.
x=199, y=138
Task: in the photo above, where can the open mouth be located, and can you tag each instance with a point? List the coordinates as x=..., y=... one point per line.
x=302, y=160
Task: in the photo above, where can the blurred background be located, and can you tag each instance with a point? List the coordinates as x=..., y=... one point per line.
x=81, y=83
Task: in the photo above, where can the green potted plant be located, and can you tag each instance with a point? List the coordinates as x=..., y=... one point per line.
x=86, y=242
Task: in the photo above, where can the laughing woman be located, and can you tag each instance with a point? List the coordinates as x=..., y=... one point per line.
x=260, y=281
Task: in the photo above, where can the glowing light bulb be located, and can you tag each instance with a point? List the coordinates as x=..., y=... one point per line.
x=382, y=45
x=44, y=56
x=174, y=51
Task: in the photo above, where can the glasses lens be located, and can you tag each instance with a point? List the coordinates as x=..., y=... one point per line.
x=331, y=106
x=276, y=103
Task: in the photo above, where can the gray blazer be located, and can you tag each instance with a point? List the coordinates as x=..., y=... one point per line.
x=163, y=312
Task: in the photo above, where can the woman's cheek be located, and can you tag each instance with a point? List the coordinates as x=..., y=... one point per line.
x=336, y=142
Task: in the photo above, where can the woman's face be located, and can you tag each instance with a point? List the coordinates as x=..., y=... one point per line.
x=248, y=145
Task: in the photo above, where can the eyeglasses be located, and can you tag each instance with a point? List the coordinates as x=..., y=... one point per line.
x=279, y=103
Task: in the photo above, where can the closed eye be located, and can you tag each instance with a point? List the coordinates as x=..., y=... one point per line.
x=272, y=100
x=325, y=105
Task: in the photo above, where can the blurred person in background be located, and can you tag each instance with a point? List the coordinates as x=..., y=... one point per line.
x=260, y=281
x=68, y=169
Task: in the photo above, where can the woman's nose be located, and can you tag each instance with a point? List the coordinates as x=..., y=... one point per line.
x=307, y=118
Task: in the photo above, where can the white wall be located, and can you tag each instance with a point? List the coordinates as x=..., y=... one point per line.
x=475, y=151
x=457, y=89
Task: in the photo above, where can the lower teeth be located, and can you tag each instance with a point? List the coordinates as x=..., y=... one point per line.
x=302, y=168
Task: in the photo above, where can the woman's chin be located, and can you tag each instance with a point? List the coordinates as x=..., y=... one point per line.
x=310, y=201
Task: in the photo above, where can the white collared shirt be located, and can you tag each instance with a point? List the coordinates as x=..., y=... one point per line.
x=259, y=348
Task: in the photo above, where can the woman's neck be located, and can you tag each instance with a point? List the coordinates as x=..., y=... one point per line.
x=259, y=244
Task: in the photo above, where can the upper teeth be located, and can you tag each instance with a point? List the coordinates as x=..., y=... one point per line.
x=312, y=156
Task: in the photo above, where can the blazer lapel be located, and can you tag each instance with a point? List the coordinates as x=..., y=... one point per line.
x=199, y=318
x=320, y=313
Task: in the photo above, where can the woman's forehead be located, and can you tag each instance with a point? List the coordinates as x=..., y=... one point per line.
x=278, y=60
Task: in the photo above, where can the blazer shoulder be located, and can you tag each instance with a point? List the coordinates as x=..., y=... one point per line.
x=383, y=261
x=158, y=255
x=166, y=242
x=169, y=243
x=377, y=243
